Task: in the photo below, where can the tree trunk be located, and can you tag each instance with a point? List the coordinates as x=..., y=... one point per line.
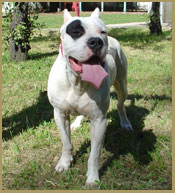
x=155, y=25
x=19, y=48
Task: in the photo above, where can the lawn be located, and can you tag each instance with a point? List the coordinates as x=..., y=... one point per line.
x=31, y=143
x=56, y=20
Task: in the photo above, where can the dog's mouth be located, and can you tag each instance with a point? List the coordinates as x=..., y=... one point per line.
x=91, y=70
x=94, y=60
x=77, y=65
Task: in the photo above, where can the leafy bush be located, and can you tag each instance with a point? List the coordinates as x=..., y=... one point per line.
x=23, y=33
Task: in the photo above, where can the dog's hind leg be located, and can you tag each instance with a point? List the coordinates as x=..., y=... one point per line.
x=122, y=93
x=63, y=123
x=77, y=122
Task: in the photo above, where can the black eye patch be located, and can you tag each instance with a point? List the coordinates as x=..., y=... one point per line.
x=75, y=29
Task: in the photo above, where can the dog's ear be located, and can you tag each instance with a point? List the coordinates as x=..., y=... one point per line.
x=67, y=15
x=96, y=13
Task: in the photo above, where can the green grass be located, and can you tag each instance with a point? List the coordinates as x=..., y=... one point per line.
x=56, y=20
x=31, y=141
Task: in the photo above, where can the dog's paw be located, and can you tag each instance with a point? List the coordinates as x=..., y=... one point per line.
x=91, y=182
x=127, y=126
x=63, y=165
x=60, y=167
x=92, y=186
x=76, y=124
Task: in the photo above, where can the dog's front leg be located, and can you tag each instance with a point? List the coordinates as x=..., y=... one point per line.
x=98, y=128
x=63, y=123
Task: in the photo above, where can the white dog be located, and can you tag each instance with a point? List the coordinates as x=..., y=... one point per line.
x=89, y=63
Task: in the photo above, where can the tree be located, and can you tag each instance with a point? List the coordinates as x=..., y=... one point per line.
x=155, y=24
x=19, y=42
x=21, y=30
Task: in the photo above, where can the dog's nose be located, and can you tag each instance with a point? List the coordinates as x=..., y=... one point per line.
x=95, y=44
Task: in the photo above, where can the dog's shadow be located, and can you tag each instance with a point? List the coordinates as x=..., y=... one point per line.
x=118, y=142
x=138, y=143
x=30, y=117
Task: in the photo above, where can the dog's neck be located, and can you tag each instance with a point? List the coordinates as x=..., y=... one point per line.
x=75, y=81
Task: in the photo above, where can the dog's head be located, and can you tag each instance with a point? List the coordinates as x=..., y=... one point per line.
x=84, y=39
x=84, y=44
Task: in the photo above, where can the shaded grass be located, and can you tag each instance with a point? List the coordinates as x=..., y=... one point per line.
x=141, y=39
x=31, y=142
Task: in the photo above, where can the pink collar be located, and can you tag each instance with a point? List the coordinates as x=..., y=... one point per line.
x=61, y=47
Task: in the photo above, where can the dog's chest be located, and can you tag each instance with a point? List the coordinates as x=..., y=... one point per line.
x=79, y=104
x=72, y=100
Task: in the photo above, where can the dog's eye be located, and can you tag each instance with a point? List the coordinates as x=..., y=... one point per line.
x=76, y=33
x=104, y=32
x=75, y=29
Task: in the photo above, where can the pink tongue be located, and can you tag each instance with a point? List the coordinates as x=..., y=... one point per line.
x=93, y=74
